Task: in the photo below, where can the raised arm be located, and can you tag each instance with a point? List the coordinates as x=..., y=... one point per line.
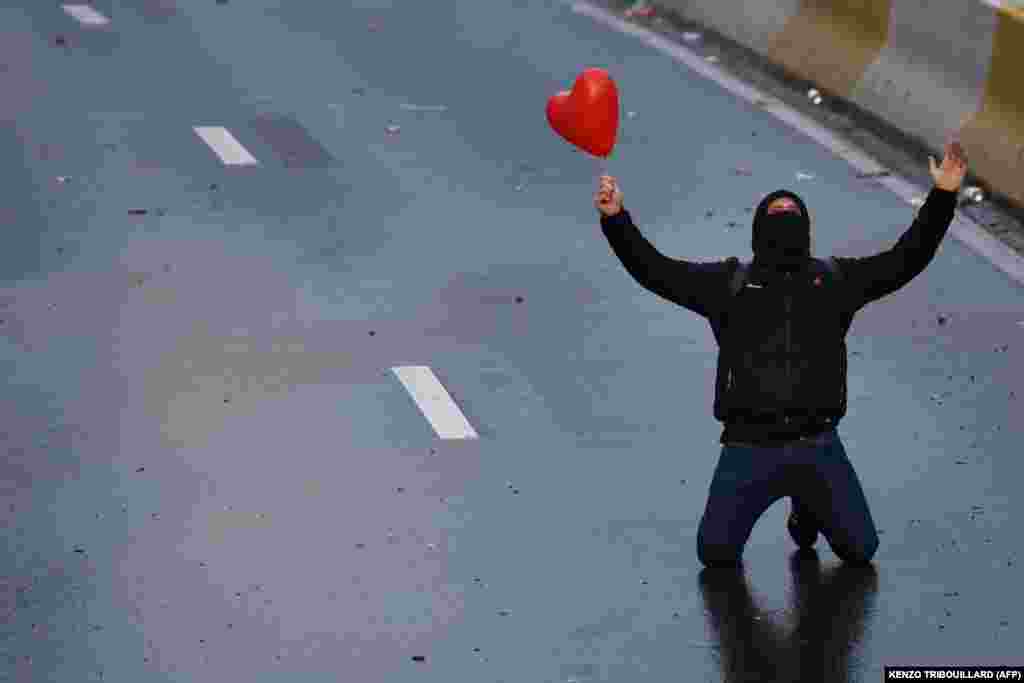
x=873, y=277
x=699, y=287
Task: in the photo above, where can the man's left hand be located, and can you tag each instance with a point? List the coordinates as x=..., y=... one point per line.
x=951, y=173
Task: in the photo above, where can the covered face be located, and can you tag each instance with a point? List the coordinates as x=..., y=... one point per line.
x=781, y=232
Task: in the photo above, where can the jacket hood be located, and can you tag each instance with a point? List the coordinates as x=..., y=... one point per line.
x=781, y=241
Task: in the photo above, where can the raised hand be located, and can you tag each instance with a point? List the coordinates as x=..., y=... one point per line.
x=951, y=173
x=608, y=198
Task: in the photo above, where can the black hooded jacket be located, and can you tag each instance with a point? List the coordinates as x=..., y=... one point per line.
x=781, y=337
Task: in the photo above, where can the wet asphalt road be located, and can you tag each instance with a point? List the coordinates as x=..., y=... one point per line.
x=210, y=473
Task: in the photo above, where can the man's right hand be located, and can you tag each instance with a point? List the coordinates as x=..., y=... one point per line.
x=608, y=199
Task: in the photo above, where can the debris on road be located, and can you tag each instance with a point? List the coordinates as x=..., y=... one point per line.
x=393, y=130
x=640, y=9
x=873, y=174
x=691, y=37
x=972, y=194
x=711, y=58
x=423, y=107
x=138, y=212
x=804, y=176
x=742, y=170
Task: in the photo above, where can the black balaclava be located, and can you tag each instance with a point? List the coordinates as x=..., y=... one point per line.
x=781, y=241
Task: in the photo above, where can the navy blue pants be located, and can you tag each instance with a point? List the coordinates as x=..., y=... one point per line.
x=814, y=471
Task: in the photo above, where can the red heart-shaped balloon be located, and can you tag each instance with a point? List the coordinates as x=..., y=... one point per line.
x=588, y=115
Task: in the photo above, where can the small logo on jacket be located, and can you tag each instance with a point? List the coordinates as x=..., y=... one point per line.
x=817, y=281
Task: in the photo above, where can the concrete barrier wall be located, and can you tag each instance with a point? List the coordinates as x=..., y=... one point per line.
x=923, y=84
x=748, y=23
x=927, y=67
x=996, y=132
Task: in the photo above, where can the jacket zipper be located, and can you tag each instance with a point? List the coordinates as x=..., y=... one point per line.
x=789, y=371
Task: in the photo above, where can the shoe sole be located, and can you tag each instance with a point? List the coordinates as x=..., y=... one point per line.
x=802, y=539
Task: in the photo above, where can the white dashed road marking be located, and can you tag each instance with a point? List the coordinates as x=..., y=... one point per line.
x=435, y=403
x=225, y=146
x=86, y=15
